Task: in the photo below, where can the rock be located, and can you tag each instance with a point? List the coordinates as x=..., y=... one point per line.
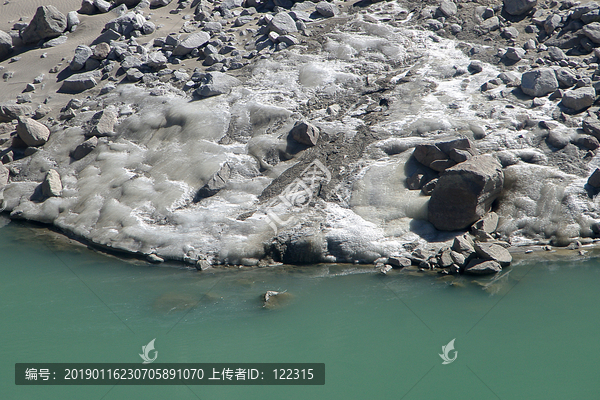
x=82, y=53
x=157, y=60
x=488, y=223
x=464, y=193
x=101, y=51
x=588, y=142
x=131, y=62
x=590, y=125
x=88, y=7
x=464, y=245
x=107, y=36
x=190, y=43
x=102, y=6
x=592, y=31
x=493, y=252
x=4, y=175
x=289, y=40
x=283, y=24
x=428, y=153
x=399, y=262
x=85, y=148
x=159, y=3
x=447, y=8
x=5, y=44
x=490, y=24
x=325, y=9
x=217, y=182
x=383, y=269
x=47, y=23
x=427, y=188
x=273, y=299
x=518, y=7
x=445, y=258
x=305, y=133
x=415, y=181
x=55, y=42
x=557, y=139
x=458, y=258
x=539, y=82
x=203, y=265
x=556, y=54
x=9, y=112
x=510, y=33
x=153, y=258
x=105, y=125
x=594, y=179
x=216, y=83
x=566, y=78
x=72, y=21
x=579, y=99
x=78, y=83
x=481, y=267
x=552, y=22
x=32, y=132
x=126, y=23
x=52, y=186
x=475, y=66
x=514, y=53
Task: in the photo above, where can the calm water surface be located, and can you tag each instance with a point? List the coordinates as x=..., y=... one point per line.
x=532, y=334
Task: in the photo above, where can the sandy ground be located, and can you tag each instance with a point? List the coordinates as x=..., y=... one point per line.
x=31, y=64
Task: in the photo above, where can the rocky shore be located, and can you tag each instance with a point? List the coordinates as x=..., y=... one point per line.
x=253, y=132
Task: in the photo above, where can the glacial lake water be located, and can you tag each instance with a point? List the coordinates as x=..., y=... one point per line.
x=532, y=334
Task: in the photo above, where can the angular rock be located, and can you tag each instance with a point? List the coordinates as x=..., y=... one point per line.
x=82, y=53
x=88, y=7
x=283, y=24
x=72, y=21
x=5, y=44
x=428, y=153
x=588, y=142
x=9, y=112
x=579, y=99
x=592, y=31
x=325, y=9
x=464, y=193
x=493, y=252
x=539, y=82
x=590, y=125
x=190, y=43
x=487, y=223
x=481, y=267
x=217, y=182
x=4, y=175
x=556, y=54
x=85, y=148
x=305, y=133
x=399, y=262
x=107, y=36
x=102, y=6
x=157, y=60
x=47, y=23
x=415, y=181
x=447, y=8
x=159, y=3
x=106, y=124
x=216, y=83
x=52, y=186
x=78, y=83
x=518, y=7
x=514, y=53
x=594, y=179
x=566, y=78
x=464, y=245
x=32, y=132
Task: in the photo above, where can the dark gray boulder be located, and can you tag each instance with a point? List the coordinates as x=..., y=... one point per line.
x=539, y=82
x=305, y=133
x=518, y=7
x=85, y=148
x=579, y=99
x=482, y=267
x=464, y=193
x=78, y=83
x=5, y=44
x=47, y=23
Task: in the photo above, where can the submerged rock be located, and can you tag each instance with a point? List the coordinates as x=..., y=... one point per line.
x=273, y=299
x=465, y=192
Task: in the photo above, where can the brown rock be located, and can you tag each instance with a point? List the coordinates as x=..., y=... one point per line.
x=305, y=133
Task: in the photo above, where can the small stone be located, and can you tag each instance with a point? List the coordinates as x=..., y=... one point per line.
x=305, y=133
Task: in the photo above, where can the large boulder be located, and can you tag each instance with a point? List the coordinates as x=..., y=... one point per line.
x=481, y=267
x=592, y=31
x=47, y=23
x=539, y=82
x=518, y=7
x=5, y=44
x=78, y=83
x=464, y=193
x=32, y=132
x=9, y=112
x=283, y=24
x=190, y=43
x=494, y=252
x=579, y=99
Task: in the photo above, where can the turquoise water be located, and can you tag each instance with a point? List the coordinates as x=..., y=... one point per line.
x=533, y=334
